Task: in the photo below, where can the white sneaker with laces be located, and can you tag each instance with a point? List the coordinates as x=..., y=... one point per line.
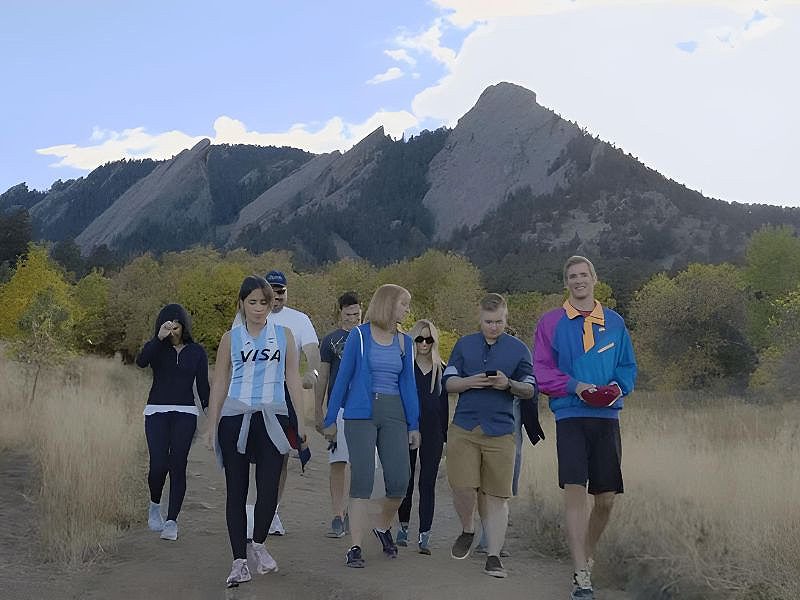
x=170, y=531
x=240, y=573
x=276, y=527
x=261, y=560
x=154, y=519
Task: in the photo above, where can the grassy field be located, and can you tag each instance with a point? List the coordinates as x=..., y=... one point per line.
x=710, y=508
x=711, y=499
x=84, y=431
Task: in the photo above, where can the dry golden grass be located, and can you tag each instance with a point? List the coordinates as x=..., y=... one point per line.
x=710, y=501
x=84, y=430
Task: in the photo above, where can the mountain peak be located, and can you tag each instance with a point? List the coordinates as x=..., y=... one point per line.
x=504, y=92
x=505, y=142
x=201, y=145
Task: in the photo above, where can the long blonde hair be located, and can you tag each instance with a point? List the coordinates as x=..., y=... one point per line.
x=436, y=358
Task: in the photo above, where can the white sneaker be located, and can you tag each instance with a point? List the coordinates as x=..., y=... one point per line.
x=276, y=527
x=261, y=560
x=170, y=531
x=154, y=519
x=240, y=573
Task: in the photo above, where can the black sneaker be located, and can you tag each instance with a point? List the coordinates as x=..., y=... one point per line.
x=463, y=543
x=385, y=538
x=354, y=558
x=494, y=567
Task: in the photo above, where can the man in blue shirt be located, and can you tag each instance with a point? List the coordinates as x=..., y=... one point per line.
x=487, y=369
x=584, y=361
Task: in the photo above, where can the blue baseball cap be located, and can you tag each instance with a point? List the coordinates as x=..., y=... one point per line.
x=277, y=278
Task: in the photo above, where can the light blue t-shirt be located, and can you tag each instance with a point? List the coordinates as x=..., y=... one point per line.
x=385, y=364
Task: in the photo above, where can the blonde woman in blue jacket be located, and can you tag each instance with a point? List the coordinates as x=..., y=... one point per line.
x=377, y=389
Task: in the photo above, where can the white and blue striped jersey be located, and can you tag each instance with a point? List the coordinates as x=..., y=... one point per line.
x=258, y=367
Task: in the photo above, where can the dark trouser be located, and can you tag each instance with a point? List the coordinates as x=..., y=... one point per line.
x=169, y=437
x=269, y=463
x=430, y=454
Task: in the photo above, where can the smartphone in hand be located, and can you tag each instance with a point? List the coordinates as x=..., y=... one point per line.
x=491, y=373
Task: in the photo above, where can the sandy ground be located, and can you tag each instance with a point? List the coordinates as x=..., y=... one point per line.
x=311, y=565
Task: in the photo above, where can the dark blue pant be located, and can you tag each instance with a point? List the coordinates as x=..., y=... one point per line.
x=269, y=463
x=430, y=454
x=169, y=437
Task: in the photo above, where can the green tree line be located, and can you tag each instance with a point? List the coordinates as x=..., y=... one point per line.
x=705, y=326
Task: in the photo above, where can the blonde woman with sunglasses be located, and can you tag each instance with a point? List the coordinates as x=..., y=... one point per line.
x=433, y=418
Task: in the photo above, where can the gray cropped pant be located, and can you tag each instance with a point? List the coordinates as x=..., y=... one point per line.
x=388, y=431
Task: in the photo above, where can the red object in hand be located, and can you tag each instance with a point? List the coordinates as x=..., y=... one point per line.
x=602, y=396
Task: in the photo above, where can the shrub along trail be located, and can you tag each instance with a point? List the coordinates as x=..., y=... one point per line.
x=311, y=565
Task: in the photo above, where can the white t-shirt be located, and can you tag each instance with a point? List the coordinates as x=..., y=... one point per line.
x=298, y=322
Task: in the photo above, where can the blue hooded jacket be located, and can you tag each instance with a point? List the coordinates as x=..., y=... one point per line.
x=353, y=387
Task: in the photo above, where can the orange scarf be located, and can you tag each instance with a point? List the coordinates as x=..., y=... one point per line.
x=596, y=316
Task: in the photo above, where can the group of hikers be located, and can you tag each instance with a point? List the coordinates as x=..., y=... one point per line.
x=387, y=397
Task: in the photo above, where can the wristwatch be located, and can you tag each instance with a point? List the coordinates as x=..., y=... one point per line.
x=508, y=387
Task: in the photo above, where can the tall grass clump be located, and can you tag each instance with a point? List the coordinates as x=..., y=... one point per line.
x=84, y=430
x=710, y=505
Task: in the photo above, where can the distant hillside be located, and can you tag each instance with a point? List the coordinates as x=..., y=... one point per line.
x=184, y=200
x=612, y=207
x=513, y=186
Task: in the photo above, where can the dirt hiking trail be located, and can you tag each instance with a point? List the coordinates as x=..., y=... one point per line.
x=311, y=566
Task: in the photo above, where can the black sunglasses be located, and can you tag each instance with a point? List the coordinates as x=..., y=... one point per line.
x=279, y=291
x=419, y=339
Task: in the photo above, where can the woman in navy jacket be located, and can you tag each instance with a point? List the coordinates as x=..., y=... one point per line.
x=178, y=362
x=434, y=413
x=376, y=386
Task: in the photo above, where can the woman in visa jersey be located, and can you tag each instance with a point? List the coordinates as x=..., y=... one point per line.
x=248, y=417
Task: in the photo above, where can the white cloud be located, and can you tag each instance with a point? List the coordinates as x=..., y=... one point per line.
x=401, y=55
x=464, y=13
x=730, y=37
x=757, y=28
x=388, y=75
x=129, y=143
x=717, y=120
x=334, y=134
x=429, y=42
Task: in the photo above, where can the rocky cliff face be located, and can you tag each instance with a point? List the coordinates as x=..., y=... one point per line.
x=327, y=180
x=506, y=142
x=178, y=186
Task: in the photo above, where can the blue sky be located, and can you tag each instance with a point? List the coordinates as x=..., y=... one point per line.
x=703, y=91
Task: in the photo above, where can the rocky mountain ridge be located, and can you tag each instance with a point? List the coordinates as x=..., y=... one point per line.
x=511, y=185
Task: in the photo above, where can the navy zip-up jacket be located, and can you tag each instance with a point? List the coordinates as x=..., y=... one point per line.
x=175, y=372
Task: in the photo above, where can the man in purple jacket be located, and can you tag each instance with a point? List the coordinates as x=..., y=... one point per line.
x=583, y=360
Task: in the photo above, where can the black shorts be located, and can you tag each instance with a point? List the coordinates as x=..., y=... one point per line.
x=590, y=449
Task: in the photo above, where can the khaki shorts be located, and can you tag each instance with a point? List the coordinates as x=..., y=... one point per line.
x=484, y=462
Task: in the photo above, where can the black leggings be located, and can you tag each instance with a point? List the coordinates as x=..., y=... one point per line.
x=269, y=463
x=169, y=437
x=430, y=454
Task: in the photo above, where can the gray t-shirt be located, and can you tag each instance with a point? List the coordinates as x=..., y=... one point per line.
x=331, y=350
